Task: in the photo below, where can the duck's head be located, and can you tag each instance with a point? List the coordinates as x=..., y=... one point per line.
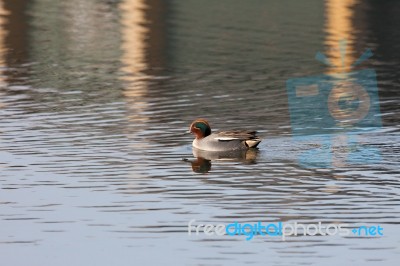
x=200, y=128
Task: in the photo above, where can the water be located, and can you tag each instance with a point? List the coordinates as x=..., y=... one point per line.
x=96, y=98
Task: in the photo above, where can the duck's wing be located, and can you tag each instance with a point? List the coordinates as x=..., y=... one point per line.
x=236, y=135
x=247, y=137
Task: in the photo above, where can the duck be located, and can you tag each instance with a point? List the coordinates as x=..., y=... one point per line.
x=221, y=141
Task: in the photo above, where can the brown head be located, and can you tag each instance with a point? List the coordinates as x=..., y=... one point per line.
x=200, y=128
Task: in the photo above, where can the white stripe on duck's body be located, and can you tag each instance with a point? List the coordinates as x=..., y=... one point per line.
x=222, y=141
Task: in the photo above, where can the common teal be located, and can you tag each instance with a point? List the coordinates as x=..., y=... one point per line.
x=221, y=141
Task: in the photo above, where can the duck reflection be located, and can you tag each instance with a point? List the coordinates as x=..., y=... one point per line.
x=202, y=163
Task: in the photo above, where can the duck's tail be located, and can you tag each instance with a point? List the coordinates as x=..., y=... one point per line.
x=252, y=143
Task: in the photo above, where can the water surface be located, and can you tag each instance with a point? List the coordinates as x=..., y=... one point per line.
x=95, y=100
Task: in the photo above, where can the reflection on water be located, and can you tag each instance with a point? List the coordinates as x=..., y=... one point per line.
x=134, y=47
x=204, y=159
x=95, y=98
x=339, y=26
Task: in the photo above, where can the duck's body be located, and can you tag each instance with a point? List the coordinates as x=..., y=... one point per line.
x=222, y=141
x=227, y=141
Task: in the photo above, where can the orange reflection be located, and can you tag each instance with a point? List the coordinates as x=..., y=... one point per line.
x=13, y=38
x=3, y=34
x=340, y=42
x=339, y=26
x=134, y=35
x=133, y=59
